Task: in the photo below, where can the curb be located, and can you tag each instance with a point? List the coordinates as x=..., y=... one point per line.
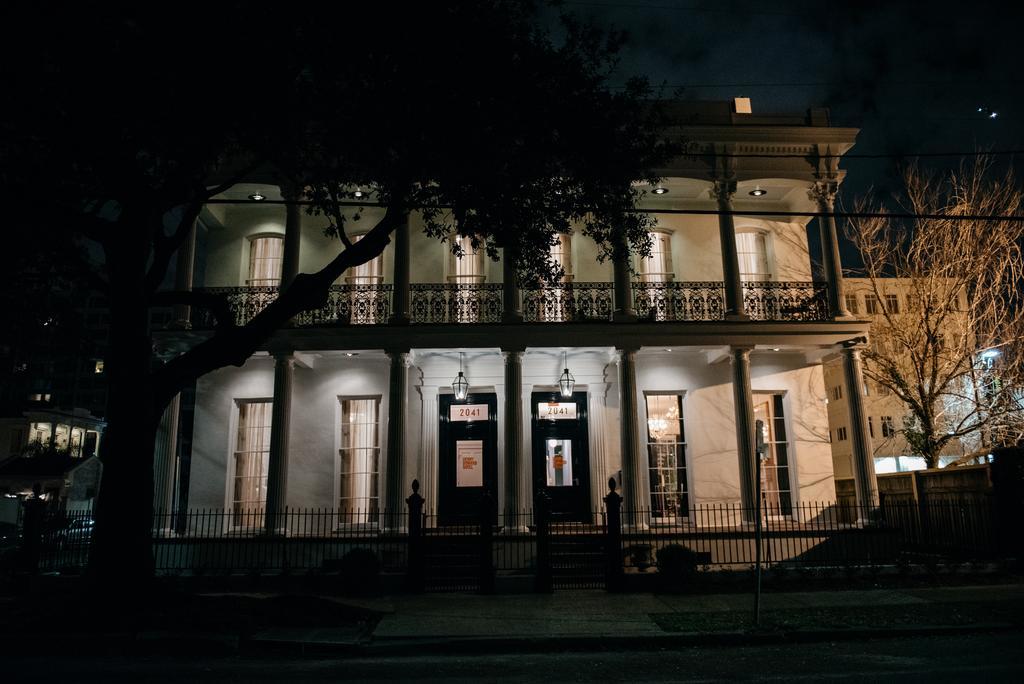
x=410, y=647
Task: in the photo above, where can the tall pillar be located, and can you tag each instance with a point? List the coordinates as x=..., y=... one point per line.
x=624, y=309
x=292, y=234
x=823, y=192
x=400, y=302
x=394, y=467
x=280, y=423
x=513, y=429
x=863, y=462
x=629, y=432
x=512, y=309
x=746, y=443
x=723, y=191
x=184, y=271
x=165, y=458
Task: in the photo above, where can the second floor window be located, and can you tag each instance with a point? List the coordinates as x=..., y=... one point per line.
x=657, y=268
x=851, y=303
x=266, y=255
x=752, y=254
x=888, y=427
x=468, y=268
x=892, y=303
x=561, y=254
x=369, y=273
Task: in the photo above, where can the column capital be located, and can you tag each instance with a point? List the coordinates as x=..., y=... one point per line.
x=290, y=192
x=737, y=351
x=823, y=192
x=285, y=356
x=723, y=190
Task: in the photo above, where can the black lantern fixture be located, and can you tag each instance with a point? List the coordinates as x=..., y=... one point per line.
x=460, y=385
x=566, y=383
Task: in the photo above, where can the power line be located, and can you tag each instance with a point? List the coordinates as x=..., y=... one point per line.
x=681, y=8
x=817, y=84
x=702, y=212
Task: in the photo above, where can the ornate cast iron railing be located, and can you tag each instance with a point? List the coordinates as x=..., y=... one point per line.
x=568, y=302
x=346, y=305
x=705, y=301
x=572, y=302
x=351, y=305
x=679, y=301
x=455, y=303
x=771, y=301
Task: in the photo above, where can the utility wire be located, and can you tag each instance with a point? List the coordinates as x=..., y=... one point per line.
x=702, y=212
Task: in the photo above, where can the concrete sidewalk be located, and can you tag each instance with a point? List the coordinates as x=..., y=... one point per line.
x=595, y=619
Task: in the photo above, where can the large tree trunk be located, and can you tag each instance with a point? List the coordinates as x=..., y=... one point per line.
x=122, y=557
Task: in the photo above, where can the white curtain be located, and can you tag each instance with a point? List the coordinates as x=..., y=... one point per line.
x=266, y=256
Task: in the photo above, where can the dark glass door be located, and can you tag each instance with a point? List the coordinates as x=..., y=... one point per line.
x=561, y=453
x=468, y=456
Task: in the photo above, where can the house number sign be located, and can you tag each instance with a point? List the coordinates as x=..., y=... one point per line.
x=465, y=413
x=556, y=411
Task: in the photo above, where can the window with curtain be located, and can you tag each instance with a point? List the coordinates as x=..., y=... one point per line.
x=468, y=268
x=251, y=462
x=752, y=251
x=266, y=256
x=561, y=254
x=359, y=460
x=776, y=486
x=369, y=273
x=666, y=456
x=657, y=268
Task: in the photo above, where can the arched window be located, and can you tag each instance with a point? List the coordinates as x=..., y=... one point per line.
x=266, y=255
x=468, y=268
x=369, y=273
x=657, y=268
x=752, y=250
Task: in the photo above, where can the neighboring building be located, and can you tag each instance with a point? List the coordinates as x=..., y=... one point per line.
x=722, y=329
x=885, y=411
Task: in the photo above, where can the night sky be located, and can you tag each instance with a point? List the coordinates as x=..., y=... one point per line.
x=910, y=75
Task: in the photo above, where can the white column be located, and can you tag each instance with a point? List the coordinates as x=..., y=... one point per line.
x=624, y=310
x=513, y=428
x=165, y=457
x=745, y=439
x=512, y=309
x=184, y=270
x=292, y=234
x=400, y=301
x=863, y=460
x=598, y=437
x=723, y=191
x=823, y=192
x=428, y=447
x=630, y=439
x=280, y=425
x=396, y=486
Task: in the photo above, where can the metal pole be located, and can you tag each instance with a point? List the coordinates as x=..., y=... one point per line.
x=759, y=437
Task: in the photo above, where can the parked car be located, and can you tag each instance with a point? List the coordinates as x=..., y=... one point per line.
x=76, y=532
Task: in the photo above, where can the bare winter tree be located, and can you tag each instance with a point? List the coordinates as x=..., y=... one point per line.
x=952, y=355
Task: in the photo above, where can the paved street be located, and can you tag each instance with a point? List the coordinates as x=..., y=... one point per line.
x=995, y=657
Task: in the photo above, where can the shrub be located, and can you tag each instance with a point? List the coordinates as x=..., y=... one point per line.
x=677, y=565
x=359, y=569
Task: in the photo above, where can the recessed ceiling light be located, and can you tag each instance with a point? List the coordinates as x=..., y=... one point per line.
x=758, y=192
x=660, y=190
x=351, y=353
x=667, y=349
x=775, y=349
x=358, y=193
x=257, y=197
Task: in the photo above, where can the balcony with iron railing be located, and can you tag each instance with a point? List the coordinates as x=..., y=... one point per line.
x=574, y=302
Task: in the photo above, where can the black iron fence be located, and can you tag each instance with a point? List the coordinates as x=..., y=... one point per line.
x=532, y=549
x=359, y=304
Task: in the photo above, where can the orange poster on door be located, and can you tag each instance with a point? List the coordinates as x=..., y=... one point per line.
x=469, y=463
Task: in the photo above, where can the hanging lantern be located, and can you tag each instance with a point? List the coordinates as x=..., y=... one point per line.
x=566, y=383
x=460, y=385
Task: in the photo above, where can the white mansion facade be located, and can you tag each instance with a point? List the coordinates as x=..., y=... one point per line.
x=721, y=332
